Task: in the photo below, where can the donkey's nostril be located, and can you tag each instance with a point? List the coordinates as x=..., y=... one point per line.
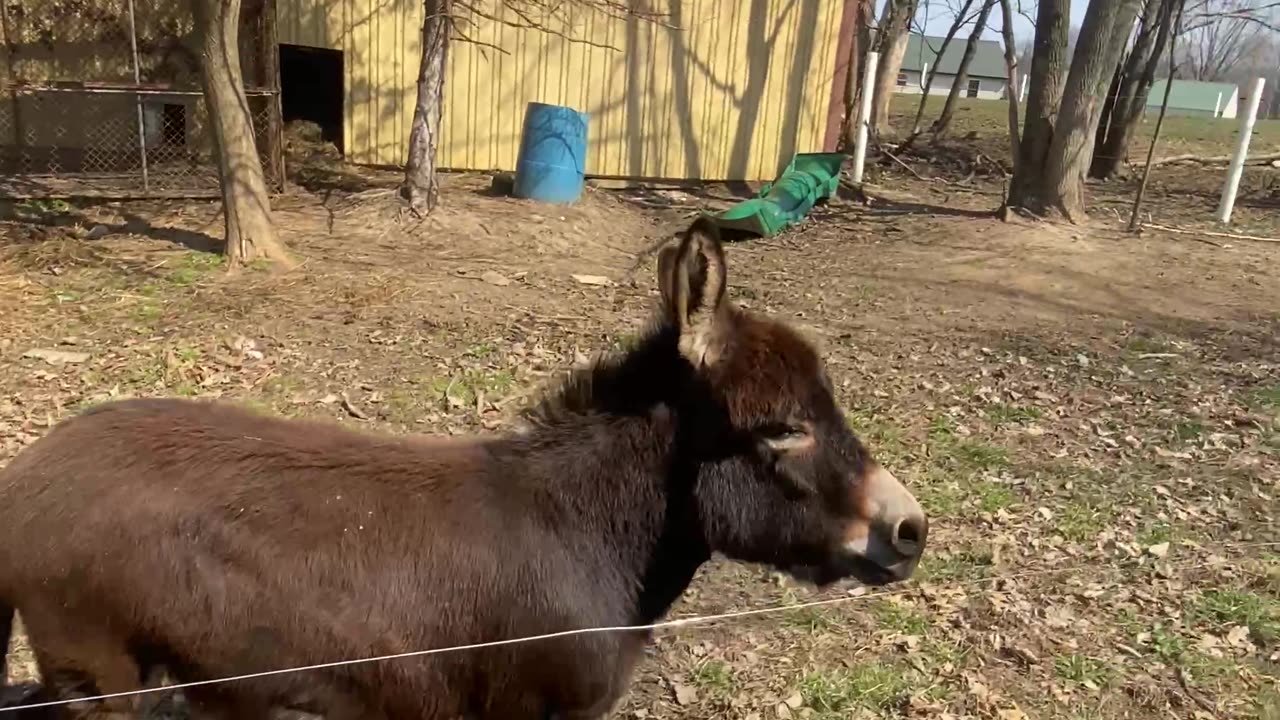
x=909, y=536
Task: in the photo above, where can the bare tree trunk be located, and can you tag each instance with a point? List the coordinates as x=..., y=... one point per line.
x=421, y=187
x=1103, y=35
x=858, y=46
x=1044, y=95
x=891, y=43
x=933, y=70
x=250, y=233
x=962, y=73
x=1131, y=96
x=1011, y=87
x=1134, y=217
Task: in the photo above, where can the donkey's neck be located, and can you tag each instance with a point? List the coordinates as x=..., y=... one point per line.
x=617, y=490
x=605, y=464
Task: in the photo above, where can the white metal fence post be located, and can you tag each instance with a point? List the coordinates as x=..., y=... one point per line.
x=1242, y=152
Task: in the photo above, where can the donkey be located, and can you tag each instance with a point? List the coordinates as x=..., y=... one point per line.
x=214, y=542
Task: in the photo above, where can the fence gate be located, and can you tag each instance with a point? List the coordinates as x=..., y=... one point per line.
x=101, y=98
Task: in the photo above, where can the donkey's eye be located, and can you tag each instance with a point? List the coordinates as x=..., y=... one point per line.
x=782, y=436
x=779, y=431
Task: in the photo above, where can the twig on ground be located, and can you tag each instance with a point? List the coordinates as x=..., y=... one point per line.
x=910, y=169
x=1211, y=233
x=1217, y=159
x=1199, y=699
x=351, y=408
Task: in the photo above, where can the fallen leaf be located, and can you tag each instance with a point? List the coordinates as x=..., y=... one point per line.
x=685, y=694
x=1238, y=636
x=795, y=701
x=351, y=408
x=1159, y=549
x=56, y=357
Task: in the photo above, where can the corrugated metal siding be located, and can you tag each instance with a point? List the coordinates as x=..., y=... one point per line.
x=720, y=90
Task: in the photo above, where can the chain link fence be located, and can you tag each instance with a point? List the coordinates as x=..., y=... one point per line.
x=102, y=98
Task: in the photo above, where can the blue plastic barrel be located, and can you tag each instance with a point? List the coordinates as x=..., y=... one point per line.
x=552, y=163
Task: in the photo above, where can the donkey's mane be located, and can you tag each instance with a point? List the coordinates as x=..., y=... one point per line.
x=627, y=382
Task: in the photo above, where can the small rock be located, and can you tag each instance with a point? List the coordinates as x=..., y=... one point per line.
x=1159, y=549
x=685, y=694
x=593, y=280
x=795, y=701
x=56, y=357
x=97, y=231
x=494, y=278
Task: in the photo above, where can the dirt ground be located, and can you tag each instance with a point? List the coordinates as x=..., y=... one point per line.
x=1091, y=417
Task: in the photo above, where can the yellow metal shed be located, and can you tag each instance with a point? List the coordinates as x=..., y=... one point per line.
x=719, y=90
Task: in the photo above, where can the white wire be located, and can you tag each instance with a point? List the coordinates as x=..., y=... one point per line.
x=674, y=623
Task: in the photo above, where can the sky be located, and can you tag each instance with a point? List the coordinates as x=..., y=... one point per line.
x=940, y=19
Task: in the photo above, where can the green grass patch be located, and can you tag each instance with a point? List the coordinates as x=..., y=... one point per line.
x=715, y=678
x=810, y=620
x=949, y=448
x=41, y=207
x=1082, y=670
x=1168, y=645
x=1154, y=534
x=481, y=351
x=836, y=693
x=194, y=266
x=881, y=436
x=462, y=389
x=1188, y=431
x=981, y=456
x=942, y=429
x=900, y=617
x=961, y=565
x=1080, y=521
x=1220, y=608
x=1267, y=398
x=147, y=312
x=939, y=496
x=1143, y=345
x=1267, y=703
x=1004, y=414
x=993, y=497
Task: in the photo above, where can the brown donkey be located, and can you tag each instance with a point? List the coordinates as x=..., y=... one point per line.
x=215, y=542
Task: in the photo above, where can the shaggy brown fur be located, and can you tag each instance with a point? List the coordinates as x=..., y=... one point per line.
x=214, y=542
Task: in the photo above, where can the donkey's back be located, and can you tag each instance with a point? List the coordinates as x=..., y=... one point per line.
x=306, y=542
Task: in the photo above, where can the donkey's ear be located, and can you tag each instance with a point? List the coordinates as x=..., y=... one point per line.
x=692, y=279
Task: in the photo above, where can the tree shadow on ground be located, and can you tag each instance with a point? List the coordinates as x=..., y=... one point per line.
x=93, y=228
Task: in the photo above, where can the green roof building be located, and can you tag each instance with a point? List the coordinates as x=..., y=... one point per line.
x=1195, y=99
x=987, y=77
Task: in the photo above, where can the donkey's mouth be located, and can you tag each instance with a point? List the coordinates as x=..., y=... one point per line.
x=856, y=567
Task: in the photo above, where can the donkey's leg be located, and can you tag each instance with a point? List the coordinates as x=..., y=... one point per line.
x=211, y=702
x=82, y=660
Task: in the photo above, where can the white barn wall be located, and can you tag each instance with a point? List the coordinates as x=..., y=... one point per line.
x=1231, y=106
x=988, y=88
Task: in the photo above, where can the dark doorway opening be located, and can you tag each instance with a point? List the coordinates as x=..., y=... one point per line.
x=311, y=89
